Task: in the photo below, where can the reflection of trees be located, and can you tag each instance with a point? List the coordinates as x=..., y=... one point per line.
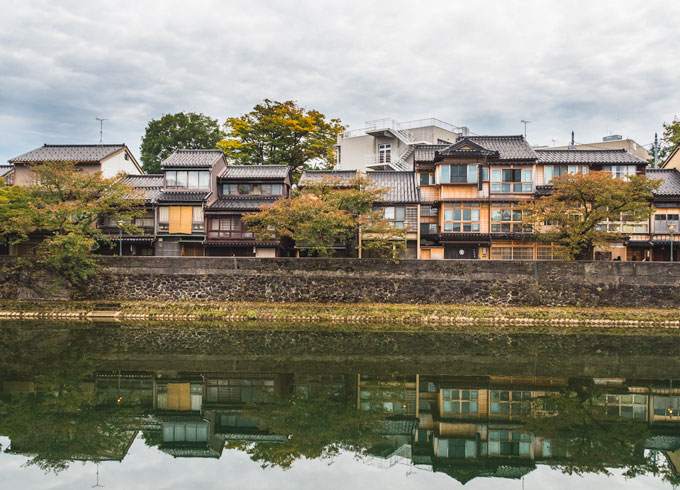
x=584, y=439
x=60, y=420
x=318, y=425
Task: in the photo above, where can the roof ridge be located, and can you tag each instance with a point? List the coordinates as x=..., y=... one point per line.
x=198, y=149
x=581, y=149
x=87, y=144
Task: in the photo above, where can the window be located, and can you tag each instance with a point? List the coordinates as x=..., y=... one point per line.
x=509, y=443
x=458, y=174
x=187, y=179
x=252, y=189
x=228, y=227
x=550, y=253
x=626, y=224
x=428, y=228
x=428, y=211
x=661, y=222
x=620, y=171
x=461, y=217
x=145, y=221
x=426, y=178
x=506, y=217
x=185, y=432
x=551, y=171
x=395, y=214
x=511, y=180
x=509, y=403
x=384, y=153
x=460, y=402
x=511, y=253
x=197, y=219
x=627, y=406
x=163, y=218
x=456, y=448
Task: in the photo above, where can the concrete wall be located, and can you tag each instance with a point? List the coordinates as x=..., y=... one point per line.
x=625, y=284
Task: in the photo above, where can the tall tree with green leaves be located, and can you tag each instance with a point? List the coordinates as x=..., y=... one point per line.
x=573, y=214
x=670, y=138
x=188, y=131
x=282, y=133
x=63, y=210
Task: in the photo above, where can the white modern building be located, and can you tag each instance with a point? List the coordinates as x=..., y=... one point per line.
x=386, y=144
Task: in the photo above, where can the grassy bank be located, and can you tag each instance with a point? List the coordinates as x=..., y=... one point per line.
x=343, y=313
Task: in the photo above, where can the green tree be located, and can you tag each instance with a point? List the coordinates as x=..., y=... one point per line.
x=172, y=132
x=282, y=133
x=323, y=214
x=317, y=425
x=670, y=138
x=63, y=209
x=578, y=205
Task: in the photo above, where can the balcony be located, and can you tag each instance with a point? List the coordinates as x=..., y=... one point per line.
x=230, y=235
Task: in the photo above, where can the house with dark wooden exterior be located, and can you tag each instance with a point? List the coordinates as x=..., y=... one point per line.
x=189, y=187
x=244, y=189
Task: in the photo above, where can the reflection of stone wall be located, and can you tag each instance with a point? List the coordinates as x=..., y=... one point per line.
x=351, y=281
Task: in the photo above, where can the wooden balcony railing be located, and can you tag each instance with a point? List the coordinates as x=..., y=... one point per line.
x=230, y=235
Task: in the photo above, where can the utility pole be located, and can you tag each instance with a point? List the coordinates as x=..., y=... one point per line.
x=101, y=129
x=572, y=145
x=525, y=127
x=656, y=150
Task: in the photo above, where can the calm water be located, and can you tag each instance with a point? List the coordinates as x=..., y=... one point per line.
x=207, y=406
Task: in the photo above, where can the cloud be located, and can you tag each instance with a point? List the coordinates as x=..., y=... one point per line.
x=590, y=67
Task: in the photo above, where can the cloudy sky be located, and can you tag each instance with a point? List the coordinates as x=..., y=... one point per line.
x=595, y=67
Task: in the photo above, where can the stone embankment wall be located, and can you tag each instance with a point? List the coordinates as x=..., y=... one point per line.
x=630, y=284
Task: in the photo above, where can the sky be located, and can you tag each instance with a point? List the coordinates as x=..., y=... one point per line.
x=145, y=468
x=594, y=67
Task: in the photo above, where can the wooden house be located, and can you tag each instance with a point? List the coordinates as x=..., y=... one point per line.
x=189, y=186
x=243, y=189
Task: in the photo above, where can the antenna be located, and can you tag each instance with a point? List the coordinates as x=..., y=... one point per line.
x=101, y=129
x=97, y=484
x=553, y=141
x=525, y=127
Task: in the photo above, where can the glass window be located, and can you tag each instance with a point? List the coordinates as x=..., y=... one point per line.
x=511, y=180
x=461, y=217
x=389, y=213
x=446, y=173
x=204, y=180
x=472, y=173
x=181, y=179
x=163, y=214
x=506, y=218
x=171, y=178
x=192, y=181
x=197, y=214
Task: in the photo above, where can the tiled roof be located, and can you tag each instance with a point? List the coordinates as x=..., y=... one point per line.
x=150, y=185
x=316, y=176
x=466, y=147
x=192, y=158
x=240, y=204
x=425, y=153
x=182, y=196
x=256, y=172
x=68, y=153
x=5, y=169
x=670, y=181
x=401, y=187
x=508, y=147
x=618, y=156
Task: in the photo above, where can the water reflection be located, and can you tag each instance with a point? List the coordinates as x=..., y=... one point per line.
x=84, y=393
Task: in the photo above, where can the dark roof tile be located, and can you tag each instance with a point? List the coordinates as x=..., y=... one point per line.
x=670, y=181
x=402, y=187
x=192, y=159
x=182, y=196
x=68, y=153
x=240, y=204
x=149, y=186
x=343, y=177
x=508, y=147
x=584, y=157
x=255, y=172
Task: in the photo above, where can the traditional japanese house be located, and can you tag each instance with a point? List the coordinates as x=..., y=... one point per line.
x=400, y=205
x=470, y=192
x=666, y=216
x=148, y=188
x=620, y=164
x=107, y=159
x=243, y=189
x=189, y=186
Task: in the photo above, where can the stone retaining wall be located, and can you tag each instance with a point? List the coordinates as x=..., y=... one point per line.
x=630, y=284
